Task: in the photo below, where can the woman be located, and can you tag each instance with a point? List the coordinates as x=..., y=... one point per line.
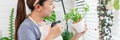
x=30, y=27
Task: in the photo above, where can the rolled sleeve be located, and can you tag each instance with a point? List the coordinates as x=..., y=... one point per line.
x=26, y=33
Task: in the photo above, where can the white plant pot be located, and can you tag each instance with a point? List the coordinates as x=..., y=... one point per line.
x=79, y=27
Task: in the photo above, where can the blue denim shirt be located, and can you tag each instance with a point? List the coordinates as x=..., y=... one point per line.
x=28, y=31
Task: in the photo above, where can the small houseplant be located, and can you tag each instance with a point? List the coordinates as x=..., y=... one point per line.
x=67, y=35
x=74, y=14
x=76, y=18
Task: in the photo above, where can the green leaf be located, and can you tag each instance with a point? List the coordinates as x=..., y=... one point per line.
x=116, y=4
x=11, y=23
x=4, y=38
x=67, y=35
x=86, y=8
x=51, y=18
x=74, y=15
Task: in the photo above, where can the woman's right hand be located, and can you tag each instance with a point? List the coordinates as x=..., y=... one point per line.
x=54, y=32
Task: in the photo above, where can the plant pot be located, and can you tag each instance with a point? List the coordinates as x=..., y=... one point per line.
x=76, y=21
x=79, y=26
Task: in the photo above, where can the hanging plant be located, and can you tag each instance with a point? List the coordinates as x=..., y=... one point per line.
x=105, y=20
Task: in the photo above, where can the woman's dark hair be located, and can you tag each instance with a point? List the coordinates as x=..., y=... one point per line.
x=21, y=12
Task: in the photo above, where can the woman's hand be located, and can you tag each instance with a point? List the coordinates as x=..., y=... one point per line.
x=54, y=32
x=79, y=34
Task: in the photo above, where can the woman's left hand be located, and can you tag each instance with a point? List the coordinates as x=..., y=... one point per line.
x=79, y=34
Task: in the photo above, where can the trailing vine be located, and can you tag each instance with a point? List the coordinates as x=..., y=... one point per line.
x=105, y=20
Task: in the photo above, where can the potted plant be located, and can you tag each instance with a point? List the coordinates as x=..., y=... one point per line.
x=76, y=18
x=74, y=14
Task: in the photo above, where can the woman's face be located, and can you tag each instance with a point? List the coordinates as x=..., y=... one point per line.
x=47, y=8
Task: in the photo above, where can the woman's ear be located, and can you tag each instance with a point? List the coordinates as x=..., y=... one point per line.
x=37, y=7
